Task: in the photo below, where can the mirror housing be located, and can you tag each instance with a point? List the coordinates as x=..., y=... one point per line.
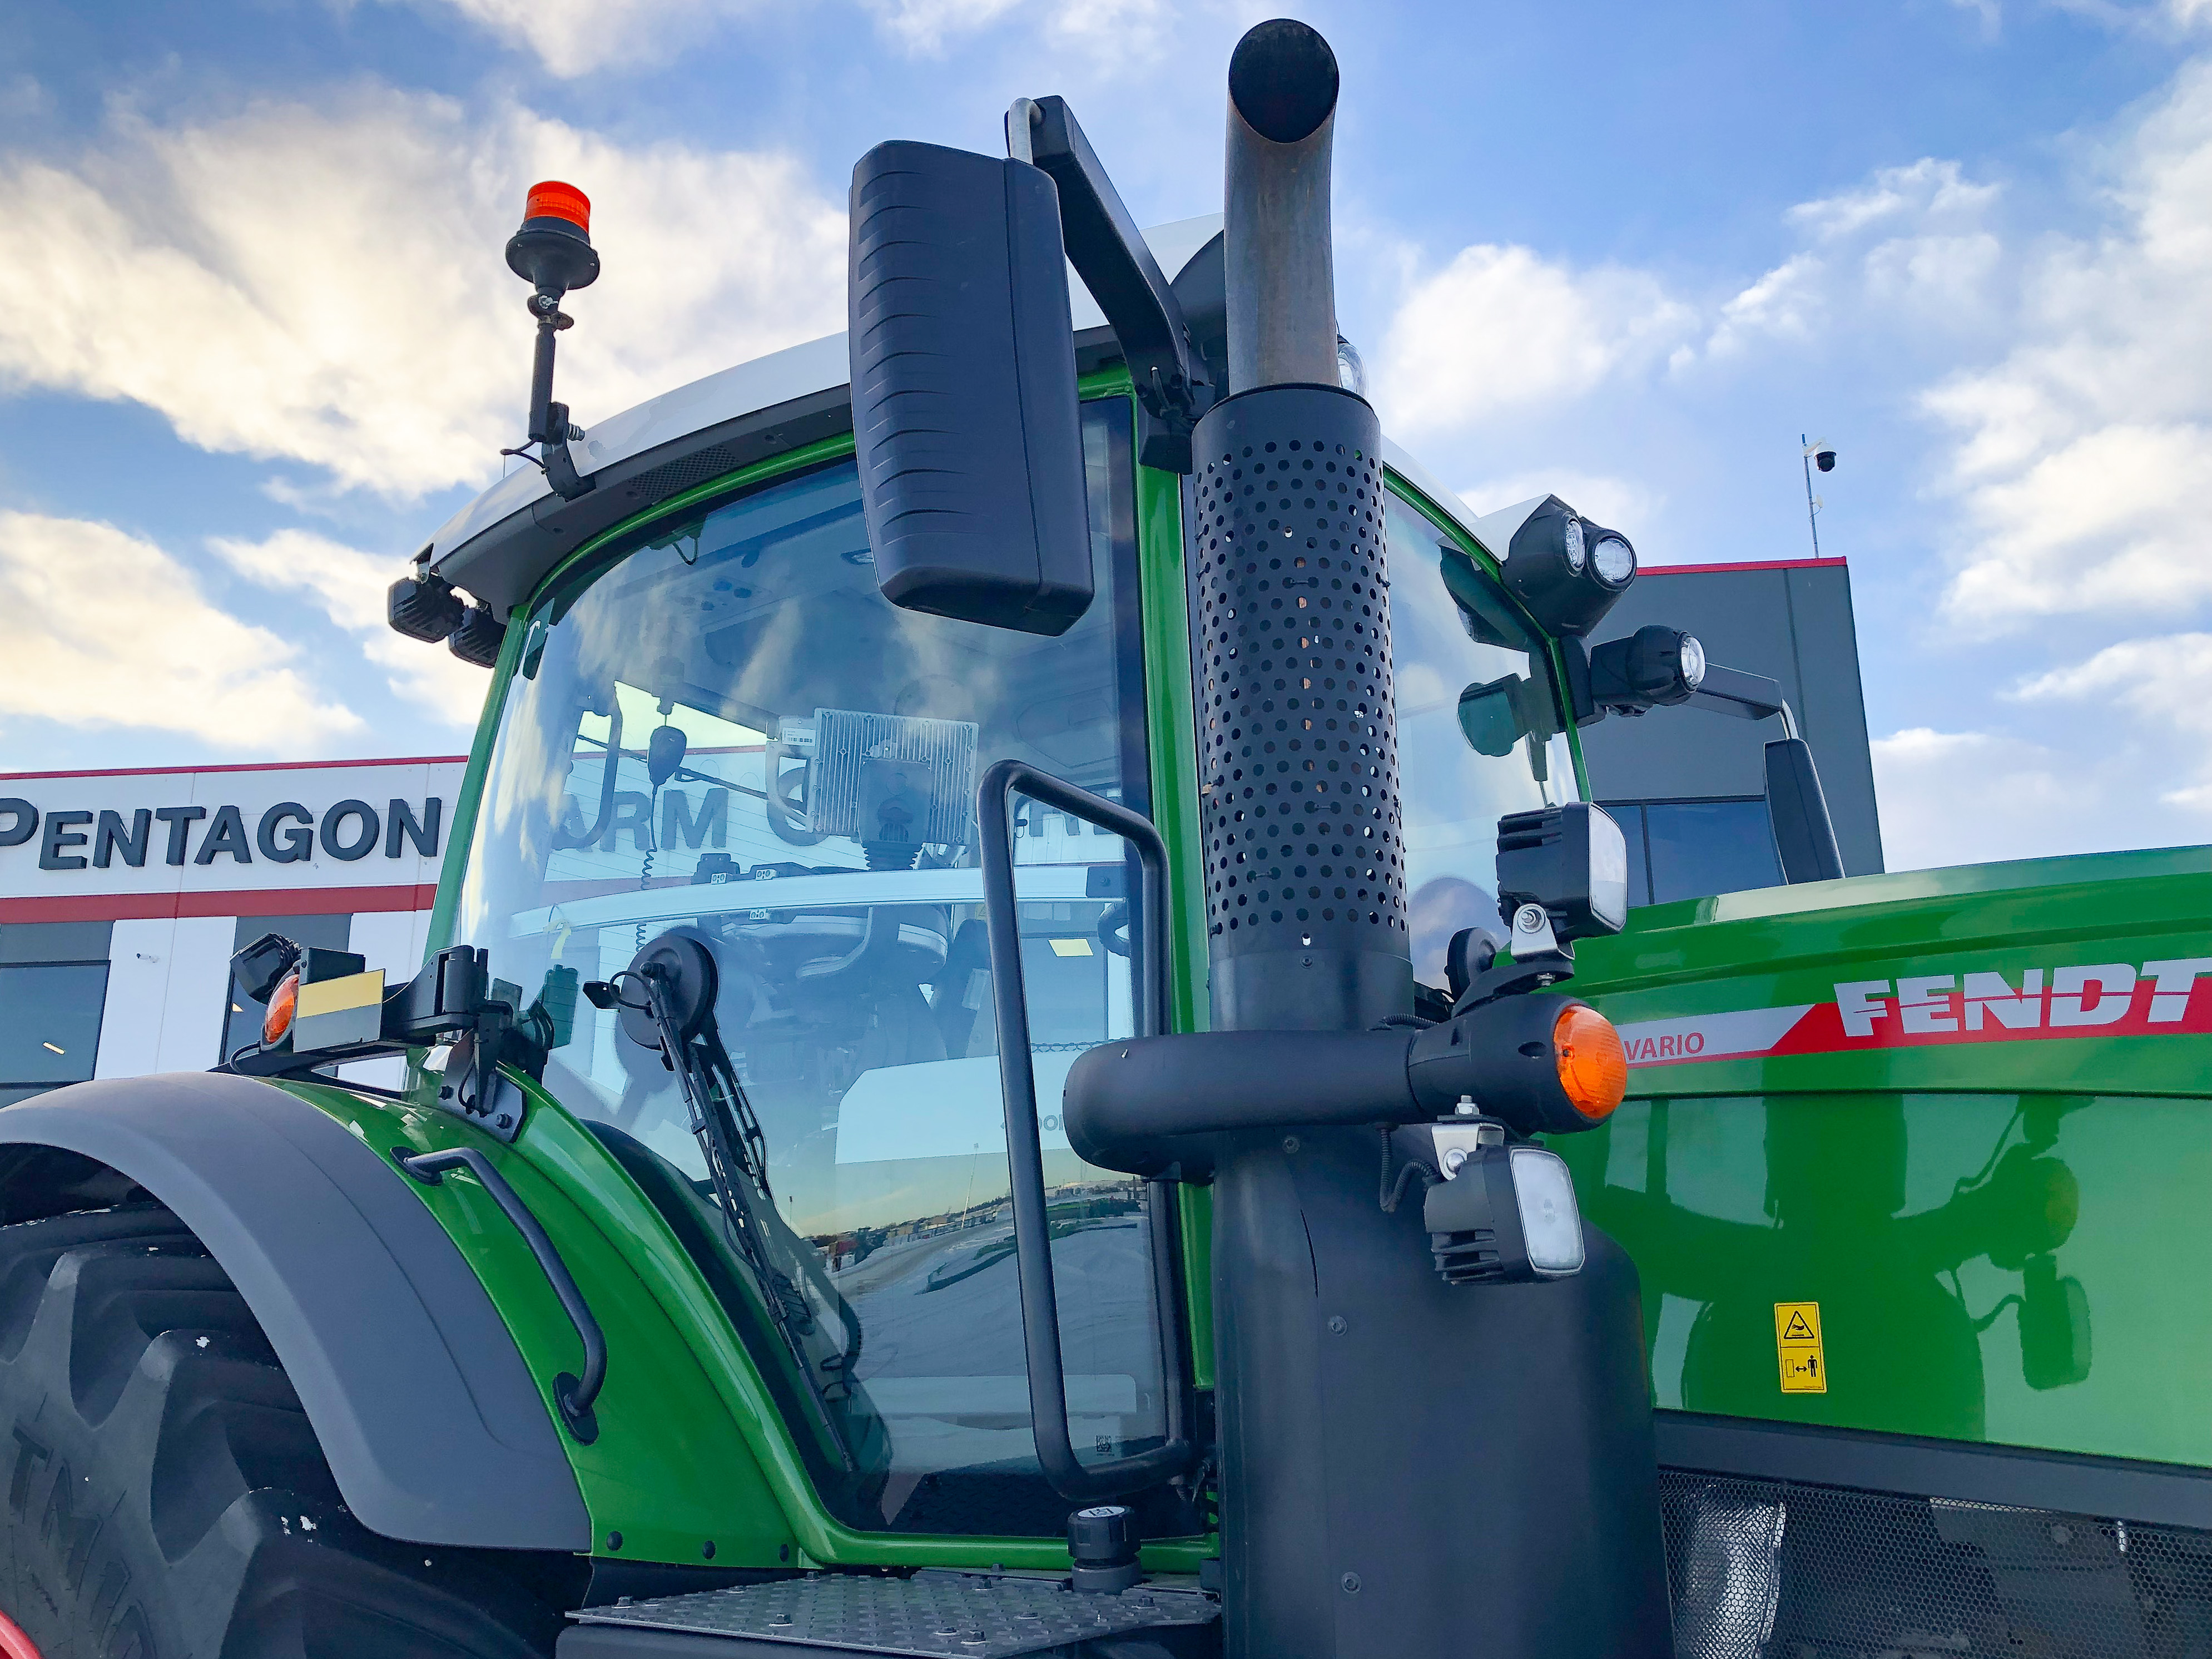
x=964, y=411
x=1804, y=834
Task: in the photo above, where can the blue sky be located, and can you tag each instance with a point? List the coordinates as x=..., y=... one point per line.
x=256, y=339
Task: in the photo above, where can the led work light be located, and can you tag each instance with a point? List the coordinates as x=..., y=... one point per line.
x=1570, y=859
x=1568, y=571
x=1502, y=1214
x=1654, y=668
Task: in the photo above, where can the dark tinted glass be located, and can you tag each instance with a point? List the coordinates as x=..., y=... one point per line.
x=1706, y=847
x=50, y=1022
x=55, y=941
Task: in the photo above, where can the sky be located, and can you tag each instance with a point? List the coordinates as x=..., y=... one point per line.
x=257, y=340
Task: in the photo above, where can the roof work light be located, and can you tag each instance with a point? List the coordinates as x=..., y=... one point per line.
x=1567, y=570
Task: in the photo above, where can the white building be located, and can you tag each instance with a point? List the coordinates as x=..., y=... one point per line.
x=123, y=895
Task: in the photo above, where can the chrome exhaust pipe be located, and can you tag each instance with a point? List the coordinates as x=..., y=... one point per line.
x=1280, y=271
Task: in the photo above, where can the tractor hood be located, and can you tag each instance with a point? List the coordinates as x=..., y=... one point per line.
x=2085, y=973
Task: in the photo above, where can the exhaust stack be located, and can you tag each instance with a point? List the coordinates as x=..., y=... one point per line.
x=1279, y=271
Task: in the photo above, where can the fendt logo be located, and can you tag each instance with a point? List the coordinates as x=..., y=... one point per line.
x=2115, y=998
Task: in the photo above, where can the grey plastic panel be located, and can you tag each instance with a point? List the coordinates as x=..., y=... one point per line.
x=434, y=1428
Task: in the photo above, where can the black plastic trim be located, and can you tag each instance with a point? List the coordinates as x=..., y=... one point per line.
x=502, y=563
x=2155, y=1494
x=433, y=1427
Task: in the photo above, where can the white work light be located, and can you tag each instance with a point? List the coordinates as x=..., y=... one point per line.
x=1615, y=560
x=1551, y=1222
x=1502, y=1214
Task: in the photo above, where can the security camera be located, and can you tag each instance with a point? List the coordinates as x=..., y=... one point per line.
x=1824, y=460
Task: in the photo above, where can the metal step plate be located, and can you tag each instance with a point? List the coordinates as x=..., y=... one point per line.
x=978, y=1616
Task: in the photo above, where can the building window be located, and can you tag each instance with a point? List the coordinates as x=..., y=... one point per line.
x=1681, y=849
x=242, y=1020
x=54, y=988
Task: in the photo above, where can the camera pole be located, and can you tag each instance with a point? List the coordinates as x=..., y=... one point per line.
x=1812, y=512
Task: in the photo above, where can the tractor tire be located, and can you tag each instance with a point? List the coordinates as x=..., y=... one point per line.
x=166, y=1495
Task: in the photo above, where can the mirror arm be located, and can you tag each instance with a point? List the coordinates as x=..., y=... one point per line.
x=1111, y=255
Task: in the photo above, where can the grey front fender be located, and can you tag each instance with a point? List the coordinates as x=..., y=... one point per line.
x=434, y=1428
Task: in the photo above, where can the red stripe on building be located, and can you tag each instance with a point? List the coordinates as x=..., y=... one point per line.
x=267, y=901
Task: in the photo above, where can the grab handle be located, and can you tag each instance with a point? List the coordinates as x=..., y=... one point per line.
x=1070, y=1476
x=573, y=1395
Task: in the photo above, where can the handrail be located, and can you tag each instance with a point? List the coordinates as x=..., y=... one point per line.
x=1070, y=1476
x=574, y=1395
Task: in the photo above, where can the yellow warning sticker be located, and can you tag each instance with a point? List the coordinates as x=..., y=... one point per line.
x=1798, y=1345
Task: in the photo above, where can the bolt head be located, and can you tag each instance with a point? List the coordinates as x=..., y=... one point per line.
x=1453, y=1159
x=1350, y=1583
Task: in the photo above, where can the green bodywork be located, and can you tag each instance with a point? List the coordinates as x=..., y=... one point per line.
x=1935, y=1193
x=693, y=1461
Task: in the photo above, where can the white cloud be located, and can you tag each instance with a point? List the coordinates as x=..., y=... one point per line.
x=1501, y=330
x=1928, y=192
x=349, y=586
x=572, y=38
x=1610, y=500
x=1952, y=797
x=1114, y=29
x=102, y=628
x=325, y=285
x=2083, y=456
x=2162, y=685
x=1909, y=245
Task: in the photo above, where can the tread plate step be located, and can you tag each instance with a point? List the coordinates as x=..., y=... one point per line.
x=930, y=1615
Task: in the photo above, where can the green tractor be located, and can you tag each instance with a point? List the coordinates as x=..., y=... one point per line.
x=1031, y=1046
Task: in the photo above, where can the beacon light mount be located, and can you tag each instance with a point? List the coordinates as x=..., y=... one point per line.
x=553, y=252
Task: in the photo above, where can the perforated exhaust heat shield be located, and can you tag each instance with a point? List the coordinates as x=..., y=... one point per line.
x=1305, y=868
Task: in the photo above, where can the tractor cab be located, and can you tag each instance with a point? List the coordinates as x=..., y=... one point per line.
x=710, y=721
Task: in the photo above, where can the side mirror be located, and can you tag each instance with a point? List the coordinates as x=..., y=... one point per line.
x=1804, y=834
x=965, y=410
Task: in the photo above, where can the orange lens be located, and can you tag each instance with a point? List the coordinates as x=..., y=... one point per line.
x=1592, y=1066
x=283, y=1003
x=552, y=199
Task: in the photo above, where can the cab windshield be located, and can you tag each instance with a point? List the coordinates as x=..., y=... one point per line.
x=726, y=731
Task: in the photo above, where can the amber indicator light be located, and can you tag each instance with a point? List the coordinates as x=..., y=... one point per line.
x=1593, y=1064
x=283, y=1003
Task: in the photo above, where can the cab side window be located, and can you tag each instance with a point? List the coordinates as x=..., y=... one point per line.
x=1479, y=729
